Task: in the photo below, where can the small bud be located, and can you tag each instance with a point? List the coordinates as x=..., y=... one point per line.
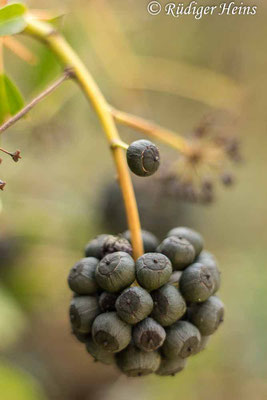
x=110, y=332
x=171, y=366
x=2, y=185
x=135, y=362
x=153, y=270
x=148, y=335
x=182, y=340
x=134, y=305
x=197, y=283
x=189, y=234
x=83, y=310
x=98, y=353
x=81, y=278
x=143, y=158
x=107, y=301
x=16, y=155
x=149, y=240
x=169, y=305
x=207, y=316
x=180, y=252
x=115, y=272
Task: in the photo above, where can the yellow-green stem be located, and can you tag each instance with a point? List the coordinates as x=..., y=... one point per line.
x=69, y=58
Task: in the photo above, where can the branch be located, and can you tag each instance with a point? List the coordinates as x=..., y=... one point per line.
x=47, y=34
x=153, y=130
x=67, y=74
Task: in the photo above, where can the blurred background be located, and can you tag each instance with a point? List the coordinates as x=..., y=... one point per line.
x=61, y=194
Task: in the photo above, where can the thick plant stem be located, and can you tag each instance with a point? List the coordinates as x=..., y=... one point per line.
x=152, y=130
x=69, y=58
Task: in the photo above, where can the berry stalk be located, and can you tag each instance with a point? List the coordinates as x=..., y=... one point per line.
x=70, y=59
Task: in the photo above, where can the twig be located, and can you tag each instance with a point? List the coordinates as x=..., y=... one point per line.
x=67, y=74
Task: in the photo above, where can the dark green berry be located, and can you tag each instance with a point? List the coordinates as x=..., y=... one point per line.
x=115, y=272
x=180, y=252
x=148, y=335
x=169, y=305
x=207, y=316
x=95, y=247
x=83, y=310
x=110, y=332
x=189, y=234
x=81, y=337
x=175, y=278
x=203, y=342
x=82, y=276
x=150, y=241
x=134, y=305
x=182, y=340
x=98, y=353
x=153, y=270
x=135, y=362
x=208, y=259
x=107, y=301
x=143, y=158
x=113, y=244
x=171, y=366
x=197, y=283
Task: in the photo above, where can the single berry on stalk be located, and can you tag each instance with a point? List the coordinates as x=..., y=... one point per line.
x=148, y=335
x=81, y=278
x=197, y=283
x=143, y=158
x=134, y=305
x=111, y=333
x=180, y=252
x=83, y=310
x=169, y=305
x=207, y=316
x=189, y=234
x=150, y=241
x=171, y=366
x=153, y=270
x=115, y=272
x=134, y=362
x=182, y=340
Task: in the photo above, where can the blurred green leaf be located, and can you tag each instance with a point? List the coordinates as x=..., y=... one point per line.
x=11, y=99
x=17, y=384
x=12, y=19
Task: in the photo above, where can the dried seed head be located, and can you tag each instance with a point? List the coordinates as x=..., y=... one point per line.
x=180, y=252
x=83, y=310
x=107, y=301
x=82, y=276
x=171, y=366
x=134, y=305
x=143, y=158
x=148, y=335
x=197, y=283
x=182, y=340
x=189, y=234
x=169, y=305
x=98, y=353
x=115, y=272
x=111, y=333
x=150, y=241
x=135, y=362
x=153, y=270
x=207, y=316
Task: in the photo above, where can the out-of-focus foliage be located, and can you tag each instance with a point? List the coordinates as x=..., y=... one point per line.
x=150, y=66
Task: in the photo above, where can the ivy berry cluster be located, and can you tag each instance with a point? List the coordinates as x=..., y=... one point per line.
x=146, y=316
